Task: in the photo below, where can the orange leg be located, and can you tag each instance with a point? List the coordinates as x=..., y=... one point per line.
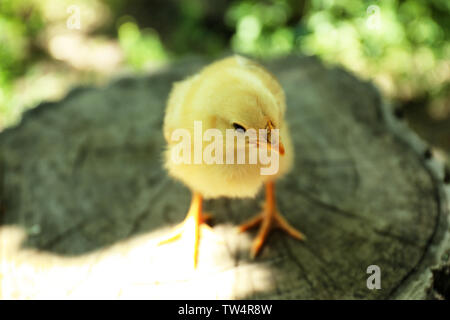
x=268, y=218
x=190, y=227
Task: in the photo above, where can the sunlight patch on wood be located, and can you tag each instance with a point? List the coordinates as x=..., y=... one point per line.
x=135, y=268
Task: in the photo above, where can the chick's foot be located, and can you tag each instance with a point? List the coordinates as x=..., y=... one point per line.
x=191, y=228
x=270, y=217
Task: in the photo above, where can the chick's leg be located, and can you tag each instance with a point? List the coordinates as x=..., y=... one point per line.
x=190, y=227
x=269, y=218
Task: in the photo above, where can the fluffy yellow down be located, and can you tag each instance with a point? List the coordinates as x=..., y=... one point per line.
x=232, y=90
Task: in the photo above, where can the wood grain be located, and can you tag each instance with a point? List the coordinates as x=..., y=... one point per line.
x=85, y=198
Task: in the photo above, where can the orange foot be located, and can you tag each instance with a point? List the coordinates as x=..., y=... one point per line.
x=191, y=228
x=269, y=218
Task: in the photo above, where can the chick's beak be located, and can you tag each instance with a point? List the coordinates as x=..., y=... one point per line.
x=280, y=145
x=280, y=148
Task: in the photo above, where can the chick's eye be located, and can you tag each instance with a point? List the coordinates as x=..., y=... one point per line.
x=238, y=127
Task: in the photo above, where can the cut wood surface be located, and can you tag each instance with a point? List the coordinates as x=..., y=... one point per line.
x=84, y=197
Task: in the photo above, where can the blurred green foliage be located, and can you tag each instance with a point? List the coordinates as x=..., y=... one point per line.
x=402, y=45
x=20, y=23
x=140, y=46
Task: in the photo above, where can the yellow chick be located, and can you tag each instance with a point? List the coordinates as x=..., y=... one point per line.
x=231, y=94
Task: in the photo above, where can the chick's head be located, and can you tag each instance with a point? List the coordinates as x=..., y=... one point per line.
x=239, y=97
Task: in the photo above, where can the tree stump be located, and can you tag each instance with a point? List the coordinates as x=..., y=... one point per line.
x=84, y=197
